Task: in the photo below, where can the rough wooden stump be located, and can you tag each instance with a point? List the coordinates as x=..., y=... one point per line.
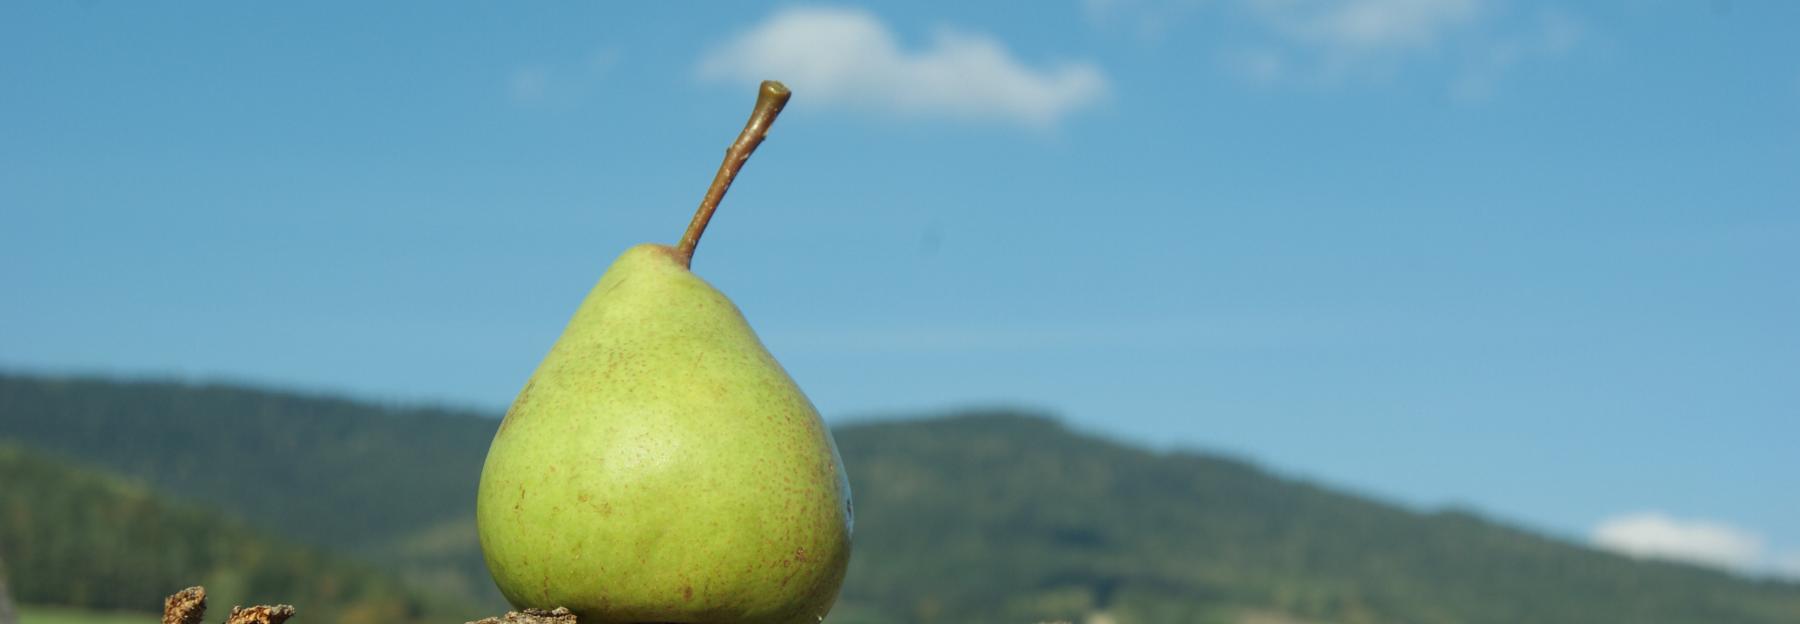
x=260, y=614
x=187, y=606
x=532, y=616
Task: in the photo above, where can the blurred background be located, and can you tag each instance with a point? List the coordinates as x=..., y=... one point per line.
x=1252, y=311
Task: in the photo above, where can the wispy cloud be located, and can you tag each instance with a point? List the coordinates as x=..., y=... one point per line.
x=1344, y=41
x=1657, y=535
x=1222, y=332
x=560, y=84
x=1354, y=27
x=1553, y=35
x=1470, y=45
x=849, y=58
x=1788, y=565
x=529, y=84
x=1150, y=20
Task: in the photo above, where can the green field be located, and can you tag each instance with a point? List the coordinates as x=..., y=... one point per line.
x=64, y=615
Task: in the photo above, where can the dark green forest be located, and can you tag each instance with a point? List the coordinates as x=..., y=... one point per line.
x=338, y=505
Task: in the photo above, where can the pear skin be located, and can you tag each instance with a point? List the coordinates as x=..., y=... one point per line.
x=661, y=466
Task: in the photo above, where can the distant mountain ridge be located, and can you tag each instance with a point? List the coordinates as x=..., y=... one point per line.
x=979, y=517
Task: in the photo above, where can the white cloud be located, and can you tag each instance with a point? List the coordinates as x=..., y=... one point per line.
x=849, y=58
x=1659, y=536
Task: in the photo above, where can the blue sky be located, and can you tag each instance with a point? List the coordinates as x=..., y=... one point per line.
x=1534, y=258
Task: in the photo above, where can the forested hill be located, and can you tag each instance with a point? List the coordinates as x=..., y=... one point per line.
x=326, y=470
x=73, y=536
x=957, y=511
x=979, y=517
x=393, y=485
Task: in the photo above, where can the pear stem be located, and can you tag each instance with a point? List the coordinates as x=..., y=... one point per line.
x=770, y=98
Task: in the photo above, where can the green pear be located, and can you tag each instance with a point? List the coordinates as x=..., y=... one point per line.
x=660, y=466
